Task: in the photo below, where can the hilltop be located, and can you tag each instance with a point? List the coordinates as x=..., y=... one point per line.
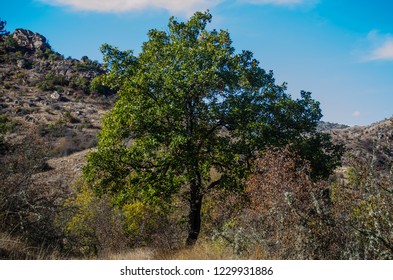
x=372, y=144
x=52, y=94
x=328, y=126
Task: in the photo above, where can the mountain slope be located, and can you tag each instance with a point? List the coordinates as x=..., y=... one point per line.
x=373, y=144
x=42, y=89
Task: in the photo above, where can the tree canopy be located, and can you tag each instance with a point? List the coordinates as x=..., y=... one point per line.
x=189, y=105
x=3, y=23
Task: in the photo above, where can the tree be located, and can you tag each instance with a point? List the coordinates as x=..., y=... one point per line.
x=189, y=105
x=2, y=28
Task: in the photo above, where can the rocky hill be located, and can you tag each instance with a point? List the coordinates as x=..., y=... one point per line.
x=50, y=112
x=328, y=126
x=52, y=94
x=373, y=144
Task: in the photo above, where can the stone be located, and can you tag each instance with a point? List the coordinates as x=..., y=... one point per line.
x=55, y=95
x=29, y=40
x=30, y=119
x=21, y=63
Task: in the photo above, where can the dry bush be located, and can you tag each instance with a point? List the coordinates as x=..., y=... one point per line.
x=28, y=207
x=289, y=214
x=363, y=210
x=293, y=217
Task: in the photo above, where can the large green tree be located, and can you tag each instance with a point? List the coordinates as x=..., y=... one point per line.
x=189, y=105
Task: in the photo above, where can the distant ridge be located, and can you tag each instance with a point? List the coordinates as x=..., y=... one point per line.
x=373, y=143
x=328, y=126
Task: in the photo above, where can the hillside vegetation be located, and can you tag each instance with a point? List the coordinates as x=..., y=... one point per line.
x=51, y=109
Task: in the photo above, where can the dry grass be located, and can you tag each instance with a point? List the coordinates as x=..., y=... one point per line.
x=135, y=254
x=12, y=248
x=203, y=250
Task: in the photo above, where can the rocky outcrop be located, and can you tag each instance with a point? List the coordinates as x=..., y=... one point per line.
x=373, y=144
x=37, y=64
x=49, y=93
x=29, y=40
x=328, y=126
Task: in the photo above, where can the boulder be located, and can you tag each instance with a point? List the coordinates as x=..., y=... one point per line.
x=55, y=95
x=23, y=63
x=29, y=40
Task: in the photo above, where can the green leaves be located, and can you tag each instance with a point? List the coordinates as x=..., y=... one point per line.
x=189, y=107
x=3, y=31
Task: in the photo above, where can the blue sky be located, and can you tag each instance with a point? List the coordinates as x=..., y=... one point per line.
x=341, y=51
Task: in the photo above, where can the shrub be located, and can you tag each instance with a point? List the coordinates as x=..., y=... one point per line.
x=289, y=212
x=50, y=81
x=97, y=86
x=80, y=83
x=28, y=207
x=7, y=124
x=68, y=117
x=363, y=209
x=93, y=227
x=55, y=129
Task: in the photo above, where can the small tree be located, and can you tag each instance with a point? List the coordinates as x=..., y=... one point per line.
x=190, y=107
x=3, y=32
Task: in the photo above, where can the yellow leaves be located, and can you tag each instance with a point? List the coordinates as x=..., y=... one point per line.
x=91, y=221
x=141, y=220
x=136, y=217
x=83, y=202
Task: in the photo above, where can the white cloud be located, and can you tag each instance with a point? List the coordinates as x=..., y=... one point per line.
x=276, y=2
x=187, y=7
x=356, y=114
x=384, y=52
x=118, y=6
x=381, y=46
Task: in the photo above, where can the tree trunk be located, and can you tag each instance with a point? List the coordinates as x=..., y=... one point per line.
x=194, y=218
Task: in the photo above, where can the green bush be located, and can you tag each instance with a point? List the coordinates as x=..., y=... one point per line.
x=93, y=227
x=50, y=81
x=80, y=83
x=69, y=118
x=97, y=86
x=7, y=124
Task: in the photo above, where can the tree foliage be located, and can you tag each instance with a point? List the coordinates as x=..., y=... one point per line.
x=190, y=106
x=3, y=31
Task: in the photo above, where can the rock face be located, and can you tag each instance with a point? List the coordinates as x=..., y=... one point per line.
x=38, y=65
x=373, y=144
x=29, y=40
x=50, y=94
x=328, y=126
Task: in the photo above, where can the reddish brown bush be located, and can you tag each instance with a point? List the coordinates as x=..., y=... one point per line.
x=291, y=211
